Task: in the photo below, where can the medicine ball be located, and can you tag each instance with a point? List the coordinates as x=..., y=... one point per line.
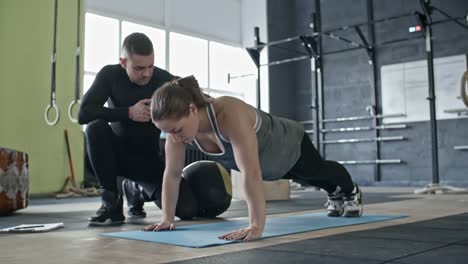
x=211, y=185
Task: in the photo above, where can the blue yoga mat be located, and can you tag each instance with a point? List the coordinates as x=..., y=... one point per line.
x=206, y=235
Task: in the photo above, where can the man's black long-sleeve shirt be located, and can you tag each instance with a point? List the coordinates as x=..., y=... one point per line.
x=113, y=86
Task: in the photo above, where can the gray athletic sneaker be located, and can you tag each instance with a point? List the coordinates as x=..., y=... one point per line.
x=335, y=205
x=353, y=203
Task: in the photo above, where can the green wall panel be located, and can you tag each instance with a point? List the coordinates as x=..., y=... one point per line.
x=26, y=37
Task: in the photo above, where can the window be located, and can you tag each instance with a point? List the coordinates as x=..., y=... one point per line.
x=404, y=89
x=210, y=62
x=101, y=45
x=101, y=42
x=189, y=56
x=233, y=62
x=157, y=36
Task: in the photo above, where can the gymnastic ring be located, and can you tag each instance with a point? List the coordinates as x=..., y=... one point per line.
x=464, y=95
x=70, y=107
x=46, y=116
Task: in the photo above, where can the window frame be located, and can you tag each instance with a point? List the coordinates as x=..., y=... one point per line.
x=121, y=19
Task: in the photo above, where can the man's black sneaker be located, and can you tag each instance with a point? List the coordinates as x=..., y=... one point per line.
x=110, y=212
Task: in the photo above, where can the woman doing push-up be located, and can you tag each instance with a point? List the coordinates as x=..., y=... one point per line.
x=238, y=136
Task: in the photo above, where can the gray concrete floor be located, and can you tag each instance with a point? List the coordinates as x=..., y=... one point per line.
x=435, y=230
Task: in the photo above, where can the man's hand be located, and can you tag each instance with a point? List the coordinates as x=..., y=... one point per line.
x=246, y=234
x=163, y=225
x=140, y=112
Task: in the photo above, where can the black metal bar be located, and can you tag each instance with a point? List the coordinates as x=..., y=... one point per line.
x=340, y=51
x=374, y=46
x=455, y=19
x=425, y=4
x=288, y=49
x=310, y=52
x=254, y=55
x=360, y=140
x=421, y=19
x=460, y=147
x=315, y=101
x=230, y=77
x=450, y=18
x=354, y=118
x=317, y=35
x=278, y=62
x=319, y=77
x=377, y=162
x=259, y=104
x=362, y=37
x=257, y=36
x=315, y=89
x=308, y=44
x=374, y=90
x=385, y=43
x=344, y=40
x=54, y=57
x=364, y=128
x=77, y=57
x=307, y=122
x=257, y=42
x=370, y=22
x=365, y=42
x=52, y=104
x=459, y=111
x=276, y=42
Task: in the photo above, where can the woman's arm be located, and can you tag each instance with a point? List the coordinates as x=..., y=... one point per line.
x=242, y=135
x=175, y=158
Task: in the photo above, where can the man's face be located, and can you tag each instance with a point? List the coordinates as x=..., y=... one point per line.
x=139, y=68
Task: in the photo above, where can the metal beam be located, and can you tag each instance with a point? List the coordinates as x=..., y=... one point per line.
x=354, y=118
x=378, y=161
x=359, y=140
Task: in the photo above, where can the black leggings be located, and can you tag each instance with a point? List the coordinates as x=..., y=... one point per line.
x=311, y=169
x=110, y=157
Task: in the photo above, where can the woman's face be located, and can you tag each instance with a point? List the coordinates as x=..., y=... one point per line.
x=181, y=130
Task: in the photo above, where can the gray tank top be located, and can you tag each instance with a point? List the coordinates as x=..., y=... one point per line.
x=279, y=144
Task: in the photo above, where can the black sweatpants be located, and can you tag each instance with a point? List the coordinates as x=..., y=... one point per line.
x=111, y=157
x=311, y=169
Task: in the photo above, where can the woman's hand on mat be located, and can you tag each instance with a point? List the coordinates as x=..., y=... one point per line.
x=163, y=225
x=246, y=234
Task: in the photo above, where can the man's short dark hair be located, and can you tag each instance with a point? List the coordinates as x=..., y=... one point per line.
x=137, y=43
